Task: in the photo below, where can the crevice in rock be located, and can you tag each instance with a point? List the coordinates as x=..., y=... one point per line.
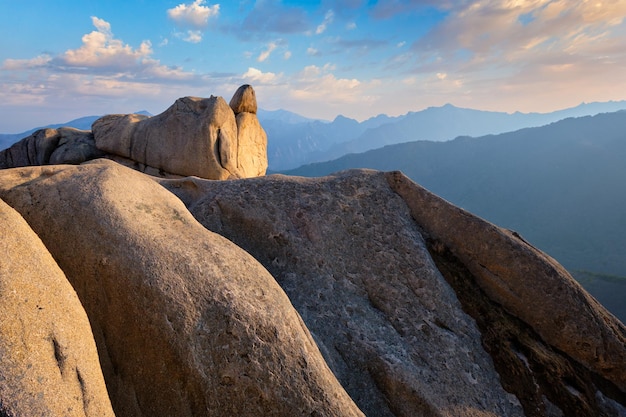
x=4, y=412
x=58, y=354
x=83, y=390
x=528, y=367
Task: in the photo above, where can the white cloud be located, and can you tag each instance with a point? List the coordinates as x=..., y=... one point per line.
x=101, y=49
x=266, y=54
x=287, y=55
x=256, y=75
x=317, y=83
x=328, y=19
x=312, y=51
x=193, y=36
x=25, y=64
x=194, y=15
x=351, y=25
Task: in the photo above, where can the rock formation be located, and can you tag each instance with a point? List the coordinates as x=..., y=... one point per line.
x=251, y=138
x=377, y=266
x=186, y=323
x=357, y=293
x=48, y=360
x=65, y=145
x=203, y=137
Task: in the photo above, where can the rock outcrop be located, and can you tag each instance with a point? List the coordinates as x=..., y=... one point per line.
x=203, y=137
x=48, y=360
x=186, y=323
x=64, y=145
x=355, y=293
x=251, y=138
x=377, y=266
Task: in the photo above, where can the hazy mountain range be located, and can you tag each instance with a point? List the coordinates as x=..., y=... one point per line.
x=292, y=143
x=294, y=140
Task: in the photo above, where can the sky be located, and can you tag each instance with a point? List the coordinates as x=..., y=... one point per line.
x=62, y=59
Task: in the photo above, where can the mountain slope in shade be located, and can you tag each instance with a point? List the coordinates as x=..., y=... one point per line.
x=562, y=186
x=292, y=145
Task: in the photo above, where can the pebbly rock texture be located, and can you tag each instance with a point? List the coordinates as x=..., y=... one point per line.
x=195, y=136
x=64, y=145
x=355, y=266
x=386, y=277
x=48, y=359
x=414, y=306
x=186, y=323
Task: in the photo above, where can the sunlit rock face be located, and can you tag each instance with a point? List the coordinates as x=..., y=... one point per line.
x=48, y=360
x=186, y=322
x=203, y=137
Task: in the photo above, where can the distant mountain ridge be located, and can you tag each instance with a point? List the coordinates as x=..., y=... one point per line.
x=294, y=144
x=295, y=140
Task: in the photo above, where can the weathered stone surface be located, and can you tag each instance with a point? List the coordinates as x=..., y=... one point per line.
x=361, y=255
x=355, y=266
x=186, y=322
x=194, y=136
x=202, y=137
x=244, y=100
x=64, y=145
x=553, y=344
x=252, y=140
x=525, y=281
x=48, y=360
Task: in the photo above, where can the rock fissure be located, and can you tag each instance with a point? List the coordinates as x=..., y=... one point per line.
x=529, y=368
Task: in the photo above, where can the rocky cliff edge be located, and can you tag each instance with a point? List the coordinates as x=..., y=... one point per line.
x=357, y=293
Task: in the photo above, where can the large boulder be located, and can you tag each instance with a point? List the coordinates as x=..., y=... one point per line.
x=244, y=100
x=48, y=360
x=186, y=322
x=64, y=145
x=195, y=136
x=251, y=138
x=203, y=137
x=355, y=266
x=421, y=308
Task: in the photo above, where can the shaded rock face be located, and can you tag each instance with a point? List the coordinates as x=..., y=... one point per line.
x=186, y=323
x=64, y=145
x=554, y=345
x=386, y=277
x=354, y=264
x=204, y=137
x=48, y=359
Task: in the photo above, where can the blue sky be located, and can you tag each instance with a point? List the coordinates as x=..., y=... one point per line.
x=64, y=59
